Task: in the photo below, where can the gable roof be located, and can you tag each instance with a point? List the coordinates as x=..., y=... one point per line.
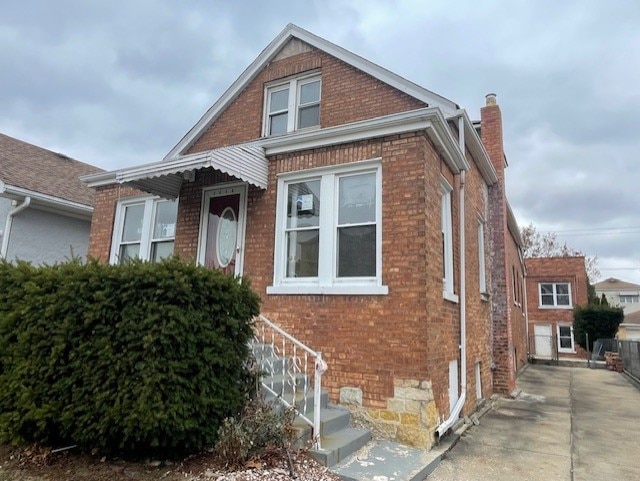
x=615, y=284
x=293, y=31
x=26, y=170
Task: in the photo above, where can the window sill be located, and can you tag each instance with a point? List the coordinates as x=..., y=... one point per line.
x=450, y=296
x=566, y=351
x=555, y=307
x=485, y=296
x=336, y=290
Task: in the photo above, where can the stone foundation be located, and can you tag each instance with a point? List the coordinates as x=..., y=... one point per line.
x=410, y=418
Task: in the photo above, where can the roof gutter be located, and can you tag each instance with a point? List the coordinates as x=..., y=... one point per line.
x=430, y=119
x=45, y=201
x=475, y=146
x=9, y=223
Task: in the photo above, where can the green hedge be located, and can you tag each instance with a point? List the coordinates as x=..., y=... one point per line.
x=600, y=321
x=138, y=359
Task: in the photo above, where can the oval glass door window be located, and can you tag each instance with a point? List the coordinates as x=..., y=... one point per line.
x=226, y=237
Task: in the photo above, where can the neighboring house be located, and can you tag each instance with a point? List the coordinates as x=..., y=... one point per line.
x=629, y=330
x=45, y=210
x=554, y=286
x=620, y=294
x=369, y=215
x=623, y=294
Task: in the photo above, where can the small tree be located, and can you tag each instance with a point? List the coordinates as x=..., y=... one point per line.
x=603, y=300
x=548, y=245
x=598, y=321
x=591, y=295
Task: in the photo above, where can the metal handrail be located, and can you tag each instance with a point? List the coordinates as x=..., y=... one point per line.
x=294, y=367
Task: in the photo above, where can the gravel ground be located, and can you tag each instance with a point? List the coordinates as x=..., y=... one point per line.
x=40, y=464
x=305, y=469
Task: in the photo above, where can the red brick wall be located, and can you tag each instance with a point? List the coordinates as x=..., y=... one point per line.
x=517, y=306
x=478, y=315
x=347, y=95
x=104, y=211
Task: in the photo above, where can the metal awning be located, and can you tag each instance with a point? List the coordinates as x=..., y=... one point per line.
x=246, y=162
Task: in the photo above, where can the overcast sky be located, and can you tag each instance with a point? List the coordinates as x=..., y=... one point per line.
x=118, y=83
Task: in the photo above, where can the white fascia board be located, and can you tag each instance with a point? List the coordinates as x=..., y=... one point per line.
x=231, y=93
x=381, y=73
x=430, y=119
x=430, y=98
x=512, y=224
x=50, y=202
x=99, y=179
x=476, y=147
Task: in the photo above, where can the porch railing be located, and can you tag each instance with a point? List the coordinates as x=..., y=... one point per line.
x=291, y=370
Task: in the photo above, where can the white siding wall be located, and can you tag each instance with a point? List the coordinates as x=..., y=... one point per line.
x=43, y=237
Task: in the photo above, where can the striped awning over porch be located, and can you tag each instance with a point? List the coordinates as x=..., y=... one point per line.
x=246, y=162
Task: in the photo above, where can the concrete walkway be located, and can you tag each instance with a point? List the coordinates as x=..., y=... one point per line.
x=570, y=424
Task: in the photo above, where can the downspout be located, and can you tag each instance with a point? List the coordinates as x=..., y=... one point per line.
x=455, y=413
x=526, y=308
x=9, y=222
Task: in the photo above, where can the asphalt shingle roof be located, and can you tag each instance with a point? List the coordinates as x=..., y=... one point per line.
x=40, y=170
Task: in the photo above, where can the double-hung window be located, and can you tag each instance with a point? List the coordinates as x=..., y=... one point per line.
x=565, y=338
x=555, y=295
x=329, y=231
x=292, y=105
x=447, y=242
x=145, y=229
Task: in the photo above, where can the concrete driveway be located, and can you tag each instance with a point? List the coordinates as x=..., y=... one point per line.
x=569, y=424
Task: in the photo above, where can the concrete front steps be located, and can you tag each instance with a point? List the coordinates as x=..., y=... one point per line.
x=337, y=439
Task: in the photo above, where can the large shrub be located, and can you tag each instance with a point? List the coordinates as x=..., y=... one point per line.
x=139, y=359
x=599, y=321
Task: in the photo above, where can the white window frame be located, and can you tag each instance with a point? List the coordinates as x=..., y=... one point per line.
x=555, y=296
x=629, y=298
x=572, y=349
x=478, y=381
x=293, y=104
x=146, y=238
x=327, y=281
x=482, y=268
x=446, y=217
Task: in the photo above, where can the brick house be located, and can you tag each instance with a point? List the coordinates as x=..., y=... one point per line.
x=369, y=214
x=554, y=286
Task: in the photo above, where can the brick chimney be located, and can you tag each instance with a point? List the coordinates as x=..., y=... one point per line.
x=491, y=132
x=501, y=309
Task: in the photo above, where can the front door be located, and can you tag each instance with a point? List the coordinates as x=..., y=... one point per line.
x=222, y=229
x=542, y=334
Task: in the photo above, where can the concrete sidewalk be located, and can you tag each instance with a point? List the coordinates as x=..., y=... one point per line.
x=570, y=424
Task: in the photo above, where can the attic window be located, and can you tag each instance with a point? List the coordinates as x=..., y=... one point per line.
x=292, y=105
